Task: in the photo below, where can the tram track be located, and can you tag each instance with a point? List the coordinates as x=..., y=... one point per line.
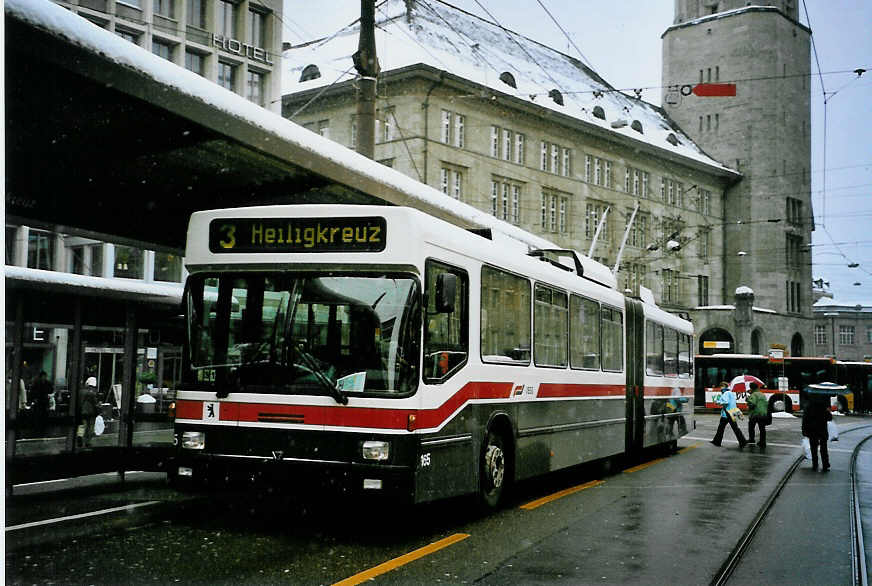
x=858, y=559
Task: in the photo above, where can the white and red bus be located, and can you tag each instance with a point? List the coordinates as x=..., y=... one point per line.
x=378, y=350
x=799, y=372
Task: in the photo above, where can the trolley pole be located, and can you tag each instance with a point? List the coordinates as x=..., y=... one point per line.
x=366, y=64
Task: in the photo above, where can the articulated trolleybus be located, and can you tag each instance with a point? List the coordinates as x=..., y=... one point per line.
x=379, y=350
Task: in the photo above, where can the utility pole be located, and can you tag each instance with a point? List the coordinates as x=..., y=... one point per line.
x=366, y=64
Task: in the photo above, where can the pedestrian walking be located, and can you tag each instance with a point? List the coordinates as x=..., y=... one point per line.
x=727, y=401
x=814, y=426
x=758, y=414
x=88, y=410
x=41, y=390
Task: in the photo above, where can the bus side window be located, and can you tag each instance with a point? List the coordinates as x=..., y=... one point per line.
x=446, y=332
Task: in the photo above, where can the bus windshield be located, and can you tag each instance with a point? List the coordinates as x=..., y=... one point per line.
x=288, y=333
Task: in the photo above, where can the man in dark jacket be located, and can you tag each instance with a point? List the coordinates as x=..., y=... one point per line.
x=758, y=414
x=814, y=427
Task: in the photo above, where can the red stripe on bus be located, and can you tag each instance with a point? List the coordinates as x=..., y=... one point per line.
x=565, y=390
x=668, y=391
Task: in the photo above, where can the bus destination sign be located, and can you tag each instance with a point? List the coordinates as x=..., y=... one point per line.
x=355, y=234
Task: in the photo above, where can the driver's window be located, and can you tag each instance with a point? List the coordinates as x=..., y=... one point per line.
x=446, y=329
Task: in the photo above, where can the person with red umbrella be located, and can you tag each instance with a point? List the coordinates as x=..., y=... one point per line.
x=727, y=401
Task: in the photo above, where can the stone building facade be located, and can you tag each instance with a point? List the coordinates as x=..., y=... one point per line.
x=235, y=44
x=843, y=331
x=551, y=151
x=764, y=132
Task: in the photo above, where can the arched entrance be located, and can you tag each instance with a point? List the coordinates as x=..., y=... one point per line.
x=796, y=345
x=716, y=341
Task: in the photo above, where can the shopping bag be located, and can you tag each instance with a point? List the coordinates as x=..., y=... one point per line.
x=806, y=448
x=833, y=431
x=735, y=414
x=99, y=425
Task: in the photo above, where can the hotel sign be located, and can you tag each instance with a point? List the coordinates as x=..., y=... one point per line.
x=242, y=49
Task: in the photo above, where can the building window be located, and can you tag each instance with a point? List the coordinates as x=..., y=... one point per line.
x=793, y=249
x=164, y=8
x=128, y=36
x=194, y=62
x=40, y=249
x=702, y=290
x=597, y=171
x=555, y=207
x=869, y=335
x=385, y=123
x=256, y=28
x=593, y=213
x=705, y=243
x=451, y=182
x=226, y=75
x=705, y=200
x=636, y=182
x=255, y=88
x=588, y=164
x=638, y=236
x=507, y=145
x=670, y=286
x=846, y=335
x=555, y=159
x=162, y=49
x=167, y=267
x=446, y=127
x=519, y=149
x=197, y=13
x=794, y=296
x=128, y=262
x=794, y=211
x=226, y=24
x=820, y=334
x=459, y=130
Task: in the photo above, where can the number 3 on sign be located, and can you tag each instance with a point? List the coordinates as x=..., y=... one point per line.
x=229, y=232
x=425, y=460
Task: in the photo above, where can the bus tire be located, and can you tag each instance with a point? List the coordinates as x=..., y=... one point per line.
x=493, y=471
x=843, y=405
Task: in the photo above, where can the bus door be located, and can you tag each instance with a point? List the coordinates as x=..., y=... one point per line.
x=635, y=429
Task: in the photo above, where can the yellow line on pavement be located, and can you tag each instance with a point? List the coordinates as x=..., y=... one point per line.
x=642, y=466
x=553, y=497
x=402, y=560
x=688, y=448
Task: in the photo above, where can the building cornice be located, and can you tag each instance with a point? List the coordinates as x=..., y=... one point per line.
x=730, y=13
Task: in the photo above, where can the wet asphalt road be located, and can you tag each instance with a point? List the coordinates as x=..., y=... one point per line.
x=673, y=519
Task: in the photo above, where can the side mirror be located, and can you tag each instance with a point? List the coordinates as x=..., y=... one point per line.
x=446, y=290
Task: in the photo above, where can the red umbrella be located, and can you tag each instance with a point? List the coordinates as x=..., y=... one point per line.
x=742, y=383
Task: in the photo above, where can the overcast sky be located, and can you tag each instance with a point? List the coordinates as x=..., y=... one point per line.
x=621, y=40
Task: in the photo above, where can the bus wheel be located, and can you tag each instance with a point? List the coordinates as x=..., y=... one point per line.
x=492, y=472
x=788, y=404
x=843, y=405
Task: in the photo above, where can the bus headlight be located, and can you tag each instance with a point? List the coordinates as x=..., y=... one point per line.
x=193, y=440
x=376, y=450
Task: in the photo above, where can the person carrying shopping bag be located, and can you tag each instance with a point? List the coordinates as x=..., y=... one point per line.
x=729, y=410
x=758, y=414
x=815, y=416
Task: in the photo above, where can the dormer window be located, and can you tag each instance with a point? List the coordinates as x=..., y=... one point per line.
x=637, y=126
x=508, y=79
x=310, y=72
x=598, y=112
x=556, y=96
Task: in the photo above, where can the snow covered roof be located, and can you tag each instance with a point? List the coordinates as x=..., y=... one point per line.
x=167, y=293
x=449, y=39
x=830, y=304
x=744, y=290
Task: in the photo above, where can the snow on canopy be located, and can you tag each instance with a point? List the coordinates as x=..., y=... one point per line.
x=449, y=39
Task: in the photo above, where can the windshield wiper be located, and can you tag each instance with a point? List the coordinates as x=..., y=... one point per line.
x=322, y=378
